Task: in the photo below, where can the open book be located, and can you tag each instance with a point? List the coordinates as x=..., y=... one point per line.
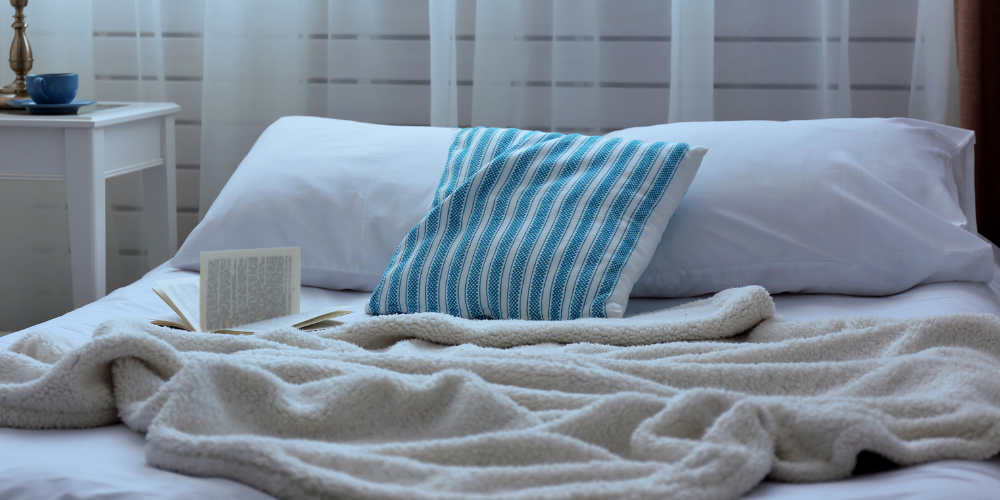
x=242, y=292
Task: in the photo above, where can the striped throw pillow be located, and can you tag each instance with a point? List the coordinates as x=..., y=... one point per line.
x=539, y=226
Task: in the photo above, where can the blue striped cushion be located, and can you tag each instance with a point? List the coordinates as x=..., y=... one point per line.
x=540, y=226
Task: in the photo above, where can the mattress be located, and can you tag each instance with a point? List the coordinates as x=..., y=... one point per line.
x=107, y=463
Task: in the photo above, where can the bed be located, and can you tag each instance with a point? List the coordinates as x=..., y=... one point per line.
x=107, y=462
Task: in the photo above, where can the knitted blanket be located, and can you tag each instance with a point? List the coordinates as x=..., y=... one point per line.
x=700, y=401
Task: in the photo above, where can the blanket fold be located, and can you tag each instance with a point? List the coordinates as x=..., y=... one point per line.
x=700, y=401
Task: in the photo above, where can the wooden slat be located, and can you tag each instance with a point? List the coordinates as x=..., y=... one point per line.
x=127, y=227
x=176, y=16
x=124, y=190
x=188, y=139
x=186, y=221
x=118, y=56
x=884, y=18
x=633, y=18
x=882, y=64
x=393, y=16
x=868, y=104
x=187, y=189
x=796, y=18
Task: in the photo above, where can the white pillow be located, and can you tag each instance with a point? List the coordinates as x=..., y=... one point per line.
x=848, y=206
x=853, y=206
x=346, y=192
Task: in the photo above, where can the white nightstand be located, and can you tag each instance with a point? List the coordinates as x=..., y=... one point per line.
x=104, y=140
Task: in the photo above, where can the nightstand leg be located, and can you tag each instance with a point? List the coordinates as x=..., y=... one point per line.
x=85, y=201
x=160, y=195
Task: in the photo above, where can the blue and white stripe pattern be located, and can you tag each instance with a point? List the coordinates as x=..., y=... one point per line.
x=529, y=225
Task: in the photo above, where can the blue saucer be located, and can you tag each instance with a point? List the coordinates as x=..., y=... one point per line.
x=69, y=108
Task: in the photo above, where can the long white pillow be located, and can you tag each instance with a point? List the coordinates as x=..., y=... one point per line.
x=855, y=206
x=346, y=192
x=848, y=206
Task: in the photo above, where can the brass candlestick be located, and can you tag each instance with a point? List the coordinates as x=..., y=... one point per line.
x=20, y=57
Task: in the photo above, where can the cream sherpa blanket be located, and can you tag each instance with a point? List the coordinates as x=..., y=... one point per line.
x=676, y=404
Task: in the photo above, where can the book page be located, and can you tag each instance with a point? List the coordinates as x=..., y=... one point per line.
x=246, y=286
x=173, y=321
x=182, y=295
x=300, y=320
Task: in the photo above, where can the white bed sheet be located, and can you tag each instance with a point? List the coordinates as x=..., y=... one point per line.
x=107, y=463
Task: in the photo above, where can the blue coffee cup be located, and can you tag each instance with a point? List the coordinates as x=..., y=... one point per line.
x=53, y=88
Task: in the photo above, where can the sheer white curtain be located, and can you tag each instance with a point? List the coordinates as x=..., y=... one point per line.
x=587, y=66
x=349, y=59
x=934, y=86
x=692, y=60
x=253, y=74
x=444, y=62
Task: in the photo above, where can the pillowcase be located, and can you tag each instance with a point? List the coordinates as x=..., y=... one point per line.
x=847, y=206
x=346, y=192
x=529, y=225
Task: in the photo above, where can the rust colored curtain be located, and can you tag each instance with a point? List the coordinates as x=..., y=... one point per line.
x=977, y=30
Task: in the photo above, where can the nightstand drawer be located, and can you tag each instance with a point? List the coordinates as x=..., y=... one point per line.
x=32, y=153
x=132, y=146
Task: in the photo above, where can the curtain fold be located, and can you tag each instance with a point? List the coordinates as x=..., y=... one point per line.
x=538, y=65
x=444, y=79
x=575, y=68
x=692, y=61
x=835, y=70
x=148, y=15
x=933, y=61
x=252, y=75
x=498, y=31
